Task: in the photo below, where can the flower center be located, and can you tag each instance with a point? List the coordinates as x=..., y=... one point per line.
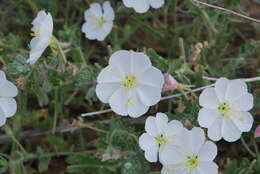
x=129, y=81
x=101, y=22
x=192, y=162
x=224, y=109
x=36, y=32
x=161, y=139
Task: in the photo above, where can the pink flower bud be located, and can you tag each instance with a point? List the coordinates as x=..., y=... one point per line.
x=257, y=132
x=170, y=83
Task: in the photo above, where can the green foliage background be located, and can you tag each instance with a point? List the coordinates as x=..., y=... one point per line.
x=52, y=95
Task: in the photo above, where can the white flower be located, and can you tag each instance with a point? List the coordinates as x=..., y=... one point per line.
x=42, y=32
x=168, y=169
x=160, y=135
x=142, y=6
x=130, y=84
x=8, y=104
x=99, y=21
x=193, y=155
x=225, y=108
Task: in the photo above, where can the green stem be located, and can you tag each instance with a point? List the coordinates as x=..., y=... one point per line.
x=60, y=50
x=247, y=147
x=10, y=132
x=257, y=152
x=208, y=20
x=56, y=108
x=182, y=49
x=93, y=128
x=35, y=156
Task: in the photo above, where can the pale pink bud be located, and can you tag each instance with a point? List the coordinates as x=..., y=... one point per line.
x=169, y=83
x=115, y=154
x=257, y=132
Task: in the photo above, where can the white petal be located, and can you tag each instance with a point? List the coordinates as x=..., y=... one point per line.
x=121, y=59
x=37, y=45
x=208, y=168
x=8, y=105
x=197, y=137
x=243, y=103
x=46, y=28
x=207, y=117
x=140, y=62
x=235, y=89
x=135, y=107
x=96, y=9
x=230, y=132
x=101, y=33
x=152, y=77
x=194, y=171
x=109, y=74
x=129, y=3
x=172, y=169
x=34, y=56
x=183, y=141
x=105, y=90
x=8, y=89
x=39, y=18
x=149, y=95
x=208, y=98
x=156, y=3
x=208, y=152
x=174, y=127
x=109, y=14
x=146, y=141
x=161, y=121
x=2, y=78
x=107, y=29
x=2, y=117
x=118, y=102
x=88, y=15
x=151, y=127
x=141, y=6
x=171, y=156
x=90, y=30
x=221, y=88
x=243, y=120
x=214, y=131
x=151, y=154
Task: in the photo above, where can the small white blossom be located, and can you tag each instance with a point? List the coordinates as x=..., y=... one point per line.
x=142, y=6
x=225, y=108
x=8, y=104
x=130, y=84
x=193, y=155
x=160, y=134
x=99, y=21
x=42, y=32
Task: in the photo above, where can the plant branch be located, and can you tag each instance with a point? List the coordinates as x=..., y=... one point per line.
x=172, y=96
x=227, y=10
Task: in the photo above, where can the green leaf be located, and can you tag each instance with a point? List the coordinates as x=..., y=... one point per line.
x=3, y=165
x=57, y=142
x=44, y=162
x=85, y=77
x=79, y=164
x=18, y=65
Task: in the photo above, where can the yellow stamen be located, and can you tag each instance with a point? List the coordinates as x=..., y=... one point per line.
x=129, y=81
x=242, y=119
x=224, y=109
x=192, y=162
x=36, y=33
x=161, y=139
x=101, y=22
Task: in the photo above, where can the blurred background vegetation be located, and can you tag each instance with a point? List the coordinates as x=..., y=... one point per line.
x=184, y=39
